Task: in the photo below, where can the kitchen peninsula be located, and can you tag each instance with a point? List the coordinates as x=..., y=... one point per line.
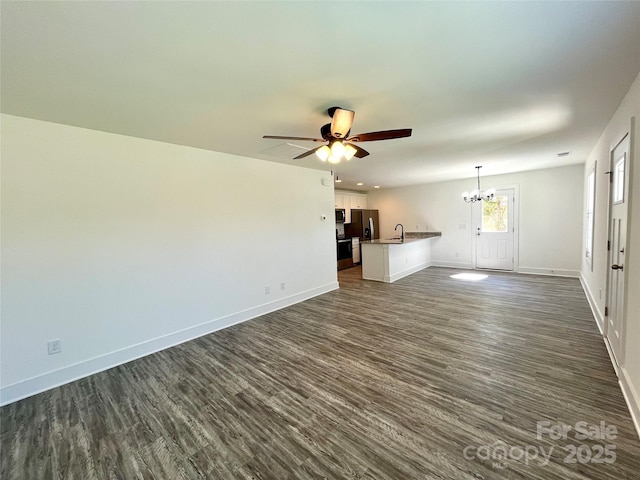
x=392, y=259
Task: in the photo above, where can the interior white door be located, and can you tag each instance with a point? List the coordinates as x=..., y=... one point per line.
x=619, y=175
x=495, y=231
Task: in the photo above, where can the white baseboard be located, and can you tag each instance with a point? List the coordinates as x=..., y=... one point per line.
x=554, y=272
x=46, y=381
x=405, y=273
x=612, y=357
x=632, y=397
x=597, y=314
x=526, y=270
x=463, y=265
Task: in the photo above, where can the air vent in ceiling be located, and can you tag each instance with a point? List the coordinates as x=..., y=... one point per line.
x=563, y=154
x=285, y=151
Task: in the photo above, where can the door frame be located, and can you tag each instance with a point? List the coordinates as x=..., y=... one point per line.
x=476, y=223
x=617, y=362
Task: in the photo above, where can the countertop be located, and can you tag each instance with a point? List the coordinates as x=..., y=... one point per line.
x=421, y=235
x=409, y=238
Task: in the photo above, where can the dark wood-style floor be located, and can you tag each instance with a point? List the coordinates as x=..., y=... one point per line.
x=421, y=379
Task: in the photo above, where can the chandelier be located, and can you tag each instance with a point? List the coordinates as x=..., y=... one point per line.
x=476, y=195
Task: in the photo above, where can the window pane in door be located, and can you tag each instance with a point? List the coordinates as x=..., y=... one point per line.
x=495, y=215
x=618, y=180
x=591, y=197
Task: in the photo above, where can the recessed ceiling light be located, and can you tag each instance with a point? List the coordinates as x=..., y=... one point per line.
x=376, y=186
x=359, y=184
x=563, y=154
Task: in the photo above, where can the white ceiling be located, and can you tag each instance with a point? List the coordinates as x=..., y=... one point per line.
x=506, y=85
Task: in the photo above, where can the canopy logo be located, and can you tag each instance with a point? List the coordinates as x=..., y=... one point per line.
x=500, y=454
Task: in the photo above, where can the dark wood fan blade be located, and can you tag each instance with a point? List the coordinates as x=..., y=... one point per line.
x=384, y=135
x=310, y=152
x=341, y=122
x=360, y=152
x=307, y=139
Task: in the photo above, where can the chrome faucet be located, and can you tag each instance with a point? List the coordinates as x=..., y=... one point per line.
x=402, y=234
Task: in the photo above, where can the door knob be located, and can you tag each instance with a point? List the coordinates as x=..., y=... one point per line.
x=617, y=267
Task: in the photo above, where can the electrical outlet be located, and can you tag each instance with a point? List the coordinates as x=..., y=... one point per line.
x=456, y=254
x=54, y=346
x=267, y=289
x=282, y=286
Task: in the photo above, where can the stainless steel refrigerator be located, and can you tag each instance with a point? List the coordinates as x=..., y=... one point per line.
x=364, y=225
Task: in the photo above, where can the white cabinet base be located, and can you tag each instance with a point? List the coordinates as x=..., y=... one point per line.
x=388, y=262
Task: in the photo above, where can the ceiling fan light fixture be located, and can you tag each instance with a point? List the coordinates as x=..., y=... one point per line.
x=336, y=133
x=337, y=150
x=349, y=151
x=341, y=121
x=323, y=153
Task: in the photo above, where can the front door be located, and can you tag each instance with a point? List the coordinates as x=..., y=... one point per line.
x=617, y=237
x=495, y=228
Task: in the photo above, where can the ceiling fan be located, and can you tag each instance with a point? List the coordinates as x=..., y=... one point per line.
x=340, y=145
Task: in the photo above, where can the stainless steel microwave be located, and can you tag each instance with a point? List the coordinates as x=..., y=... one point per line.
x=341, y=215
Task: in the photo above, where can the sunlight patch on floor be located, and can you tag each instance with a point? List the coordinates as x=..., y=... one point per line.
x=469, y=277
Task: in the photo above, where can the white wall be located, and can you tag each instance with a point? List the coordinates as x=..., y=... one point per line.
x=550, y=217
x=121, y=246
x=595, y=280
